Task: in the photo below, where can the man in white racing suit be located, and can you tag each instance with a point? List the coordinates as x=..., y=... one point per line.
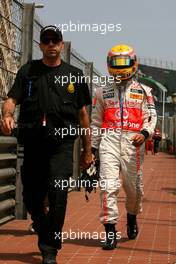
x=123, y=118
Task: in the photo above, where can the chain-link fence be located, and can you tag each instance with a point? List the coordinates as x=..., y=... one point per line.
x=10, y=43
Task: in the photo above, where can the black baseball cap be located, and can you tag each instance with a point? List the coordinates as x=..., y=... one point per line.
x=52, y=28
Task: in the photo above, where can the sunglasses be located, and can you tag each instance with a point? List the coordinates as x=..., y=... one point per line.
x=46, y=40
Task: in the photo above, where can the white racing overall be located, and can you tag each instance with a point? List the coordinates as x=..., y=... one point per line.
x=119, y=113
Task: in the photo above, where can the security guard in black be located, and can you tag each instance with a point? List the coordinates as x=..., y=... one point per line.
x=46, y=104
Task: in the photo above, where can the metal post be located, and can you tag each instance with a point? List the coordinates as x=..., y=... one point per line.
x=67, y=51
x=27, y=33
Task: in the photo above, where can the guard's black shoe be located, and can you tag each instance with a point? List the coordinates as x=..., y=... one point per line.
x=48, y=253
x=111, y=240
x=132, y=227
x=31, y=229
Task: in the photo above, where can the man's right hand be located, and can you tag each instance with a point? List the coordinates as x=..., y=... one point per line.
x=7, y=125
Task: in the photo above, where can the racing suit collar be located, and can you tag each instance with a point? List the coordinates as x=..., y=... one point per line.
x=123, y=84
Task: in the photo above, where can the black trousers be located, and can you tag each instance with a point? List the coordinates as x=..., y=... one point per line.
x=47, y=166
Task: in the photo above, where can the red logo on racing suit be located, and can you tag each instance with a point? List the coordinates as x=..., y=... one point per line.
x=125, y=114
x=132, y=119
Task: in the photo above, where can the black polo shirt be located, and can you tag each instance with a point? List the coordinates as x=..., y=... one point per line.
x=56, y=92
x=40, y=88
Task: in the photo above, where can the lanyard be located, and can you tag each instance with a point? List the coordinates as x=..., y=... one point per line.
x=29, y=88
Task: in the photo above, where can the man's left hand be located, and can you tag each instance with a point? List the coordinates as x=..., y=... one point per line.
x=86, y=159
x=138, y=140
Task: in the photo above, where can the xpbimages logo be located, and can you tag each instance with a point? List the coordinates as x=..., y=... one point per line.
x=72, y=183
x=85, y=235
x=102, y=28
x=98, y=80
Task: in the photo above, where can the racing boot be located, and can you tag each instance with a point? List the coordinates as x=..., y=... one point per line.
x=132, y=227
x=111, y=240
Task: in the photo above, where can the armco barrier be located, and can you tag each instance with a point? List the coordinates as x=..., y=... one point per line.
x=8, y=160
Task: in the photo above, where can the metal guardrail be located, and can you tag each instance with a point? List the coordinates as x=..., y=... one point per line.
x=8, y=160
